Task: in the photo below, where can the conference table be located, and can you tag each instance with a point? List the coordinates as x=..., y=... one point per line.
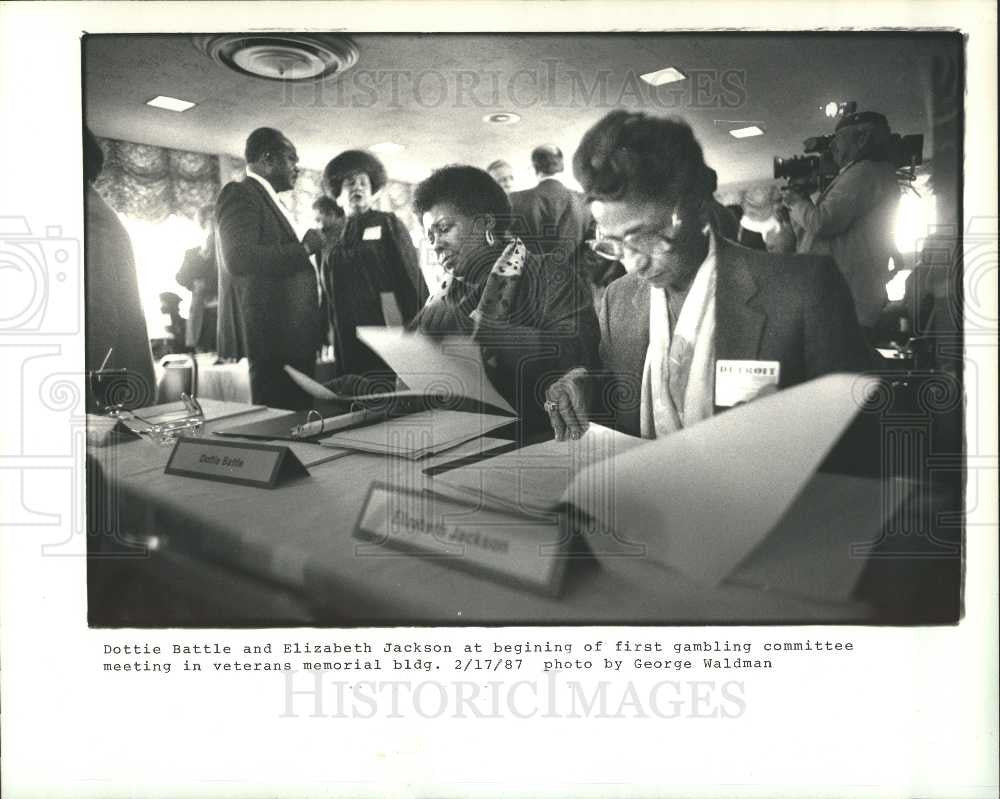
x=170, y=550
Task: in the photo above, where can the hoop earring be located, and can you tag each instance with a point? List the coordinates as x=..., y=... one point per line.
x=490, y=240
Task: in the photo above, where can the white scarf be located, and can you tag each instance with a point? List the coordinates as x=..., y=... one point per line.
x=657, y=412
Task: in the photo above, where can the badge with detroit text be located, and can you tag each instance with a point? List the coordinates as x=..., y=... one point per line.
x=372, y=234
x=742, y=381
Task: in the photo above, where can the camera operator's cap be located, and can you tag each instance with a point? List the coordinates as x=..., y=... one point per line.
x=862, y=118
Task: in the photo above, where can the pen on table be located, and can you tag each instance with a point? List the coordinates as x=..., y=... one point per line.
x=335, y=423
x=106, y=359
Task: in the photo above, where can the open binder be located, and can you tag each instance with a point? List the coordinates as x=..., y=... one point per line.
x=447, y=400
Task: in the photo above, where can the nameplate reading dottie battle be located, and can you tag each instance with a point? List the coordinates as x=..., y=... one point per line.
x=258, y=465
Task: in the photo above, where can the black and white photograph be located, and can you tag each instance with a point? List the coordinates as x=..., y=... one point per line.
x=504, y=302
x=413, y=398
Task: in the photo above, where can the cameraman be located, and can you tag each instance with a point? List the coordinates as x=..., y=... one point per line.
x=853, y=218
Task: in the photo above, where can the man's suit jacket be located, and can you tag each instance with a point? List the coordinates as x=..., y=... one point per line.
x=200, y=276
x=793, y=309
x=268, y=308
x=550, y=218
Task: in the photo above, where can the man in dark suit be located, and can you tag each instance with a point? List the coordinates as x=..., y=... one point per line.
x=199, y=274
x=268, y=293
x=550, y=218
x=699, y=323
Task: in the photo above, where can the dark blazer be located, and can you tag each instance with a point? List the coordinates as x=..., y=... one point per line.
x=793, y=309
x=268, y=302
x=550, y=218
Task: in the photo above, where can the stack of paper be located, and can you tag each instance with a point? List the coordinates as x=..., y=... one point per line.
x=535, y=479
x=701, y=500
x=417, y=434
x=452, y=366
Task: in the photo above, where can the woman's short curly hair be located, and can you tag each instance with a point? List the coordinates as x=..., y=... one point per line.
x=471, y=190
x=629, y=154
x=349, y=163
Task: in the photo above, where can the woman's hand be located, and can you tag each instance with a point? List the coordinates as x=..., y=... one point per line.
x=565, y=403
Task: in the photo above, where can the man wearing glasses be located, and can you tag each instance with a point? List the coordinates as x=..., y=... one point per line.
x=698, y=324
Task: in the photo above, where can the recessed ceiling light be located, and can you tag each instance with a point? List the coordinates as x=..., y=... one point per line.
x=170, y=103
x=502, y=118
x=662, y=76
x=746, y=133
x=386, y=147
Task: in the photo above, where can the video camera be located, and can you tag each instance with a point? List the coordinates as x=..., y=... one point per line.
x=817, y=169
x=810, y=172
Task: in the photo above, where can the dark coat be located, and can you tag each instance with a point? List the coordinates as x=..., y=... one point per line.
x=550, y=218
x=552, y=328
x=358, y=271
x=202, y=318
x=268, y=301
x=793, y=309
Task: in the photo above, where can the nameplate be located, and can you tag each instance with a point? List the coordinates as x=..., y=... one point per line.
x=737, y=382
x=519, y=551
x=258, y=465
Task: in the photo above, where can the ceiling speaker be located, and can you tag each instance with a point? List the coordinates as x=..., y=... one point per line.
x=281, y=56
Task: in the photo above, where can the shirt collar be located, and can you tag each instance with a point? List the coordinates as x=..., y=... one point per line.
x=277, y=201
x=263, y=182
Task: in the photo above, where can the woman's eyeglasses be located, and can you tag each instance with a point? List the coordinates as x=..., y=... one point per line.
x=641, y=242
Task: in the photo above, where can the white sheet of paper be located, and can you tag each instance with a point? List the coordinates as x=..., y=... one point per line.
x=702, y=499
x=390, y=310
x=809, y=552
x=310, y=386
x=452, y=366
x=417, y=434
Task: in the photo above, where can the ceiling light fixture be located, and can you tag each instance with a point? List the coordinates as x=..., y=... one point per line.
x=746, y=133
x=170, y=103
x=281, y=56
x=664, y=76
x=502, y=118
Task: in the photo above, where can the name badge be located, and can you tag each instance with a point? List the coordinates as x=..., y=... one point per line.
x=520, y=551
x=742, y=381
x=258, y=465
x=372, y=234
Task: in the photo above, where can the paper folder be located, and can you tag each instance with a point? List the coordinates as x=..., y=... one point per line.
x=700, y=500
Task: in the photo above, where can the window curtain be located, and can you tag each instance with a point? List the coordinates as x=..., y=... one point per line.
x=152, y=183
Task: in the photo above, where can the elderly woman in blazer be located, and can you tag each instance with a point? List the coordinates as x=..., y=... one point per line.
x=695, y=314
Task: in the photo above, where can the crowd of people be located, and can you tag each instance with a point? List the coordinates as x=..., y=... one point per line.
x=614, y=303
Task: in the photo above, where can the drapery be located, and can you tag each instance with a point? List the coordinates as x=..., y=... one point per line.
x=150, y=183
x=142, y=181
